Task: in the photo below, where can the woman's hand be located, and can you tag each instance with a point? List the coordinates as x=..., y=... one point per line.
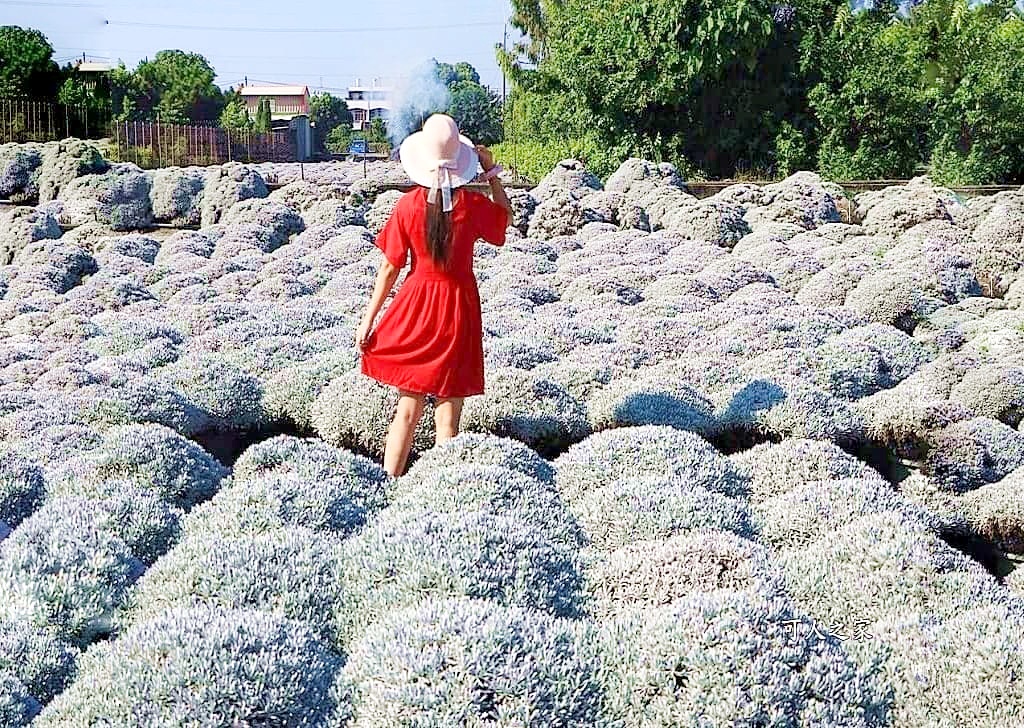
x=486, y=157
x=363, y=334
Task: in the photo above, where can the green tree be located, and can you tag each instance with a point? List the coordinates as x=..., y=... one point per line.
x=326, y=113
x=872, y=124
x=175, y=87
x=262, y=123
x=378, y=132
x=235, y=117
x=652, y=76
x=972, y=87
x=26, y=63
x=477, y=112
x=339, y=139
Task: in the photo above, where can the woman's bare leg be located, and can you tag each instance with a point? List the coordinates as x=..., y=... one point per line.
x=447, y=416
x=400, y=434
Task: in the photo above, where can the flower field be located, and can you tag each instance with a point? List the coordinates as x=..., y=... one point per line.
x=739, y=463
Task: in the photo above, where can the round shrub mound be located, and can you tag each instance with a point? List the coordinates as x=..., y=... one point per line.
x=65, y=567
x=147, y=523
x=961, y=671
x=968, y=454
x=637, y=400
x=786, y=406
x=491, y=489
x=472, y=662
x=231, y=398
x=156, y=457
x=736, y=659
x=203, y=666
x=660, y=572
x=290, y=392
x=290, y=572
x=881, y=564
x=22, y=487
x=632, y=452
x=527, y=408
x=37, y=657
x=482, y=449
x=777, y=468
x=353, y=411
x=338, y=505
x=808, y=512
x=649, y=508
x=405, y=555
x=313, y=460
x=996, y=511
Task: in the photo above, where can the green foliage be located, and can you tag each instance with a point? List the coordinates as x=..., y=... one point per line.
x=776, y=87
x=261, y=124
x=378, y=132
x=874, y=123
x=26, y=63
x=534, y=158
x=327, y=113
x=477, y=112
x=235, y=117
x=791, y=152
x=175, y=87
x=339, y=139
x=976, y=96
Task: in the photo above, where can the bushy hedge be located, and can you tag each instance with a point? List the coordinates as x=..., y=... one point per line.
x=468, y=661
x=204, y=666
x=735, y=658
x=406, y=555
x=291, y=572
x=64, y=567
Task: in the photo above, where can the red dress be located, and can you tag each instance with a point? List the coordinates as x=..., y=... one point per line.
x=430, y=339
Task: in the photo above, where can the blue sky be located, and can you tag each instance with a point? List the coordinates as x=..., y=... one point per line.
x=310, y=45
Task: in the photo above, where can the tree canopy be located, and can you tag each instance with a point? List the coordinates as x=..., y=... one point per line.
x=175, y=87
x=326, y=113
x=767, y=87
x=476, y=110
x=27, y=67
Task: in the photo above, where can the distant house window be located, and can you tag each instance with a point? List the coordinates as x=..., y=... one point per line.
x=378, y=113
x=355, y=95
x=359, y=115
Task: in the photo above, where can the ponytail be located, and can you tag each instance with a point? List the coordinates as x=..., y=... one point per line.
x=439, y=234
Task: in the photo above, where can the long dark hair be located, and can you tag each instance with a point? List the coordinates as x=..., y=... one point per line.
x=439, y=232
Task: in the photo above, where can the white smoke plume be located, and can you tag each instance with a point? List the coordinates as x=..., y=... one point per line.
x=420, y=95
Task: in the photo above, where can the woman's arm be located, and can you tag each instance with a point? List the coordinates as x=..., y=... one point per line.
x=499, y=196
x=387, y=274
x=497, y=189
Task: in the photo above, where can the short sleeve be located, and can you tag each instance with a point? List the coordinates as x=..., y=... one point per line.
x=490, y=219
x=393, y=241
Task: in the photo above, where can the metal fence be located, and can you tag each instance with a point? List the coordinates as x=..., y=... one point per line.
x=28, y=120
x=151, y=145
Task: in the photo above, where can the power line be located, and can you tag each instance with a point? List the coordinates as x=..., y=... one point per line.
x=241, y=29
x=49, y=5
x=261, y=57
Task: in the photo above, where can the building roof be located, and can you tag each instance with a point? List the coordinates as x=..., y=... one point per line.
x=94, y=66
x=274, y=90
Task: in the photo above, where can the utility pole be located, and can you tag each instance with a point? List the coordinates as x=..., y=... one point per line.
x=504, y=48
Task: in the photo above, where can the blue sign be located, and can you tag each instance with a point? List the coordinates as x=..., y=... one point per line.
x=358, y=146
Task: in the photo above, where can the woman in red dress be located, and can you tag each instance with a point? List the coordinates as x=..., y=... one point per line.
x=429, y=342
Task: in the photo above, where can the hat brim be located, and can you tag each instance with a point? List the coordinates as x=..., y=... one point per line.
x=421, y=168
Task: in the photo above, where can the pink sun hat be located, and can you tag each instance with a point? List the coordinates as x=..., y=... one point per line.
x=439, y=158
